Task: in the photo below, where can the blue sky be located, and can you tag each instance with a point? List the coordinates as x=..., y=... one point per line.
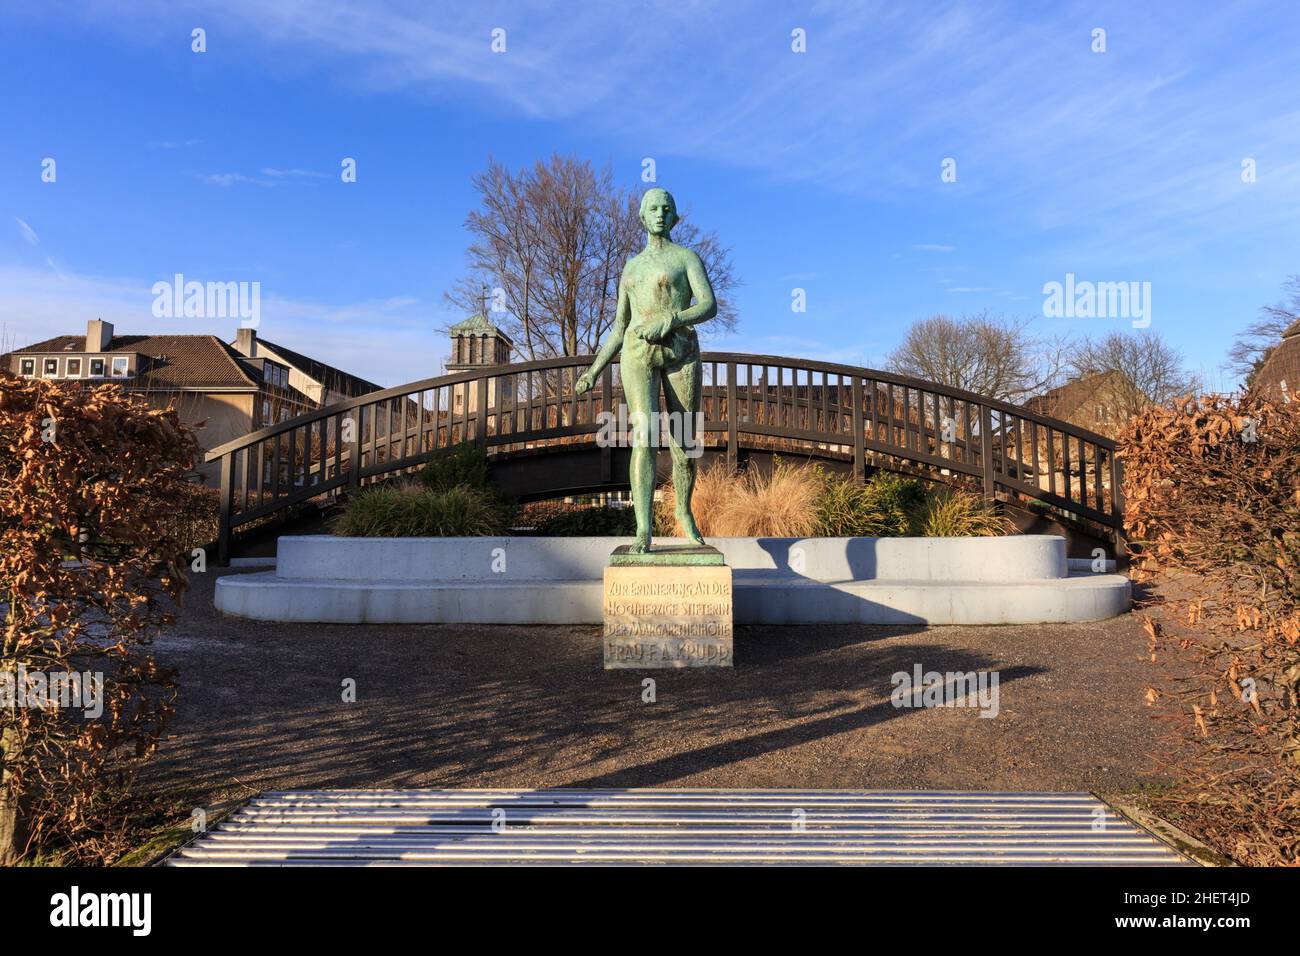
x=820, y=169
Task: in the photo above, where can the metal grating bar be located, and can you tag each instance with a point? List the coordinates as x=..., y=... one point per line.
x=687, y=827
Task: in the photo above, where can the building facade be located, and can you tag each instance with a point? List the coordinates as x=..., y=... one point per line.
x=221, y=390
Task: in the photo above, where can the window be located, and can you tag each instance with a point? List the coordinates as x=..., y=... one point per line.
x=50, y=368
x=74, y=368
x=27, y=367
x=120, y=366
x=97, y=368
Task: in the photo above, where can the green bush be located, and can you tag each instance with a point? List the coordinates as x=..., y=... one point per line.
x=891, y=506
x=413, y=510
x=951, y=513
x=590, y=522
x=463, y=464
x=884, y=506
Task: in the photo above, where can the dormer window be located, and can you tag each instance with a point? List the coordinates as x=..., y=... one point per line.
x=27, y=367
x=74, y=368
x=120, y=366
x=96, y=368
x=50, y=368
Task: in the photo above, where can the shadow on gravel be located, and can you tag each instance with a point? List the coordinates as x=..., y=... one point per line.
x=507, y=708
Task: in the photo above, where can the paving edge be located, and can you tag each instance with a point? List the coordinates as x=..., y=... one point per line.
x=216, y=814
x=1195, y=850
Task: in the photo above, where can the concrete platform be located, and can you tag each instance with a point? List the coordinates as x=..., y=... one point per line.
x=1019, y=579
x=676, y=827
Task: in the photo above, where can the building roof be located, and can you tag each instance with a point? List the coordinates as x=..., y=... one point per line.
x=327, y=375
x=1281, y=365
x=477, y=325
x=175, y=361
x=1064, y=400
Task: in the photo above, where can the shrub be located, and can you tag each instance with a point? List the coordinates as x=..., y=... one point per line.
x=799, y=500
x=779, y=503
x=94, y=476
x=714, y=485
x=590, y=522
x=953, y=513
x=1213, y=517
x=462, y=464
x=409, y=509
x=883, y=506
x=193, y=516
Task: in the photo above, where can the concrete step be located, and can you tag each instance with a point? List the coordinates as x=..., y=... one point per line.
x=758, y=597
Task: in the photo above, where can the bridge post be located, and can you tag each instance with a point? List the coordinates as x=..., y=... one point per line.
x=986, y=453
x=733, y=444
x=607, y=406
x=223, y=520
x=354, y=450
x=859, y=441
x=1117, y=507
x=480, y=427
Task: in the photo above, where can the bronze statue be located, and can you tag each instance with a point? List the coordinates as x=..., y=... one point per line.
x=653, y=327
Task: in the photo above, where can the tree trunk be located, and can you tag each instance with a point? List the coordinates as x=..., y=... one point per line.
x=13, y=832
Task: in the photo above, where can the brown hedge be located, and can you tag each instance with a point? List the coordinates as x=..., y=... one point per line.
x=92, y=563
x=1213, y=515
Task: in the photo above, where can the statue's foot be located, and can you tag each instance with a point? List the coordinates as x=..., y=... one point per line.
x=691, y=532
x=641, y=546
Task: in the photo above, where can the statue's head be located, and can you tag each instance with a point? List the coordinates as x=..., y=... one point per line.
x=658, y=212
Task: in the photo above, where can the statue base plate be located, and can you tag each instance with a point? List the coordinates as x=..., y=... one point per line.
x=668, y=608
x=682, y=555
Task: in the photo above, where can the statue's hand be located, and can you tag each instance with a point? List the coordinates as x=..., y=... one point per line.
x=585, y=383
x=656, y=331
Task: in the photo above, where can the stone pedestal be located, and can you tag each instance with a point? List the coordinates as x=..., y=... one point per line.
x=668, y=608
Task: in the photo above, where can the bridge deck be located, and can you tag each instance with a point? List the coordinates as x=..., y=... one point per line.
x=681, y=827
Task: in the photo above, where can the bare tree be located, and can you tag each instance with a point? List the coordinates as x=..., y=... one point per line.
x=981, y=353
x=1150, y=370
x=1252, y=345
x=549, y=245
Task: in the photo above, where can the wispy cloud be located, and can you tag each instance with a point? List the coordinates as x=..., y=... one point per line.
x=933, y=247
x=226, y=180
x=28, y=233
x=1136, y=145
x=293, y=174
x=269, y=176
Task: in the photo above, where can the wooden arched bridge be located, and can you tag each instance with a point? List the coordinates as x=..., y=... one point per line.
x=542, y=437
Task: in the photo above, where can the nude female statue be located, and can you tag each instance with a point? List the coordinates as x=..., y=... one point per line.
x=653, y=327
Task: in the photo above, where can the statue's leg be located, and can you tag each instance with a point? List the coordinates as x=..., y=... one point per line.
x=682, y=396
x=641, y=390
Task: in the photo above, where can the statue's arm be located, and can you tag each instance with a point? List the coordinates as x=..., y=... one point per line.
x=706, y=306
x=622, y=315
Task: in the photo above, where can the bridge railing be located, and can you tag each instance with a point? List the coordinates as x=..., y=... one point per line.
x=871, y=418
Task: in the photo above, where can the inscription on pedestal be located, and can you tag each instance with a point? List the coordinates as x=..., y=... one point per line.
x=677, y=616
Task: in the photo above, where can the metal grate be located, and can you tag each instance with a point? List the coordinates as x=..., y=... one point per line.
x=708, y=827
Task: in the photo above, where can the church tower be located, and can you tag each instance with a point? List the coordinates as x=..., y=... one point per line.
x=476, y=344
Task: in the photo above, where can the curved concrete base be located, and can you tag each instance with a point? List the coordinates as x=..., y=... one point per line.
x=1022, y=579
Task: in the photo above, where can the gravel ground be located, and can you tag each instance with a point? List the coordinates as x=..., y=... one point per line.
x=502, y=706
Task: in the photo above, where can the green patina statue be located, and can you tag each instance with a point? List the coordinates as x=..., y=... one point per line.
x=653, y=327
